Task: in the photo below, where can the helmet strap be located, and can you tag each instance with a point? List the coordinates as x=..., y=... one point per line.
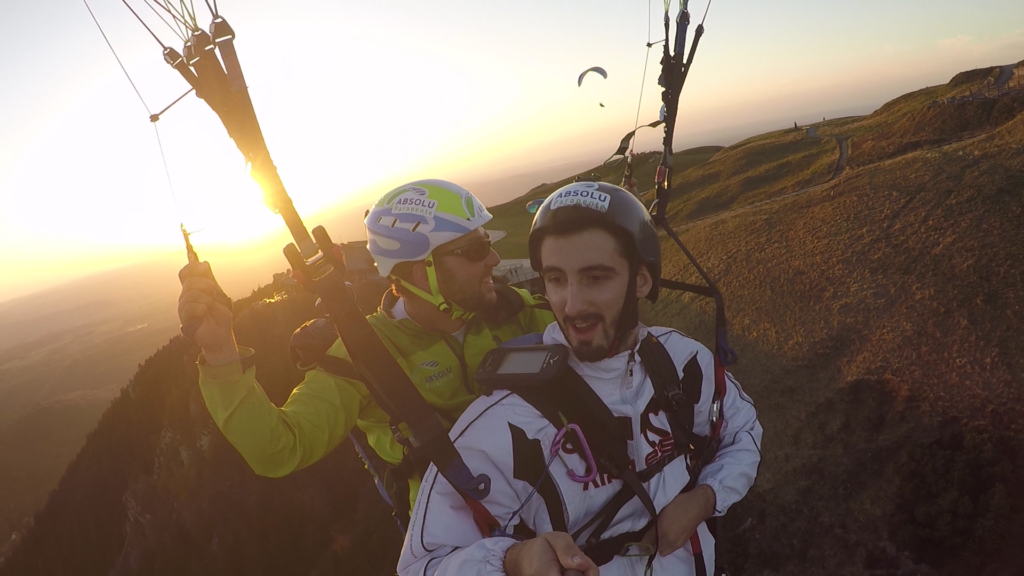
x=434, y=296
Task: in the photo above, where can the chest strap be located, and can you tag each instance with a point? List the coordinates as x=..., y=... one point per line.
x=309, y=345
x=569, y=399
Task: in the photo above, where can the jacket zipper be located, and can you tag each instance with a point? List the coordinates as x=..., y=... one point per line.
x=635, y=410
x=629, y=377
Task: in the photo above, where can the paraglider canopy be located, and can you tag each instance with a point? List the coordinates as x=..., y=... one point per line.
x=533, y=205
x=595, y=69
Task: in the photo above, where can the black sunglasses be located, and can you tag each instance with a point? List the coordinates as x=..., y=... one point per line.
x=475, y=252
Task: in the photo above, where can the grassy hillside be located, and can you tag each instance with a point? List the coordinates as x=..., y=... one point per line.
x=878, y=321
x=923, y=119
x=877, y=317
x=754, y=170
x=707, y=180
x=513, y=217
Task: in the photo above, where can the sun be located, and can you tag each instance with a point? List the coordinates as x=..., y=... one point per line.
x=232, y=212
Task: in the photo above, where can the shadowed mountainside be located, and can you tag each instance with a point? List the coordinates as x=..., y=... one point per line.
x=877, y=319
x=64, y=353
x=158, y=490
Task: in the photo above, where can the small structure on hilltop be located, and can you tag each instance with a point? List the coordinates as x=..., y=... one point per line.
x=359, y=266
x=520, y=274
x=1009, y=81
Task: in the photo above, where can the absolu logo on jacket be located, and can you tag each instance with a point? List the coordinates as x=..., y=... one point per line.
x=438, y=376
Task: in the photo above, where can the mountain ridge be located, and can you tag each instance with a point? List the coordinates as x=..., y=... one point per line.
x=875, y=316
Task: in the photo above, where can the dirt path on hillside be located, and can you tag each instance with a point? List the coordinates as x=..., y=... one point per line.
x=1005, y=73
x=844, y=155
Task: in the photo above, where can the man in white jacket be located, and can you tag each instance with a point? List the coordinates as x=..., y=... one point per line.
x=598, y=253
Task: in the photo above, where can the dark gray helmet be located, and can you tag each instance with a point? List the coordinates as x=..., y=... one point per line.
x=582, y=205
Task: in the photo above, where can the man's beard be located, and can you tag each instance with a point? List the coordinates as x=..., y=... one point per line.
x=469, y=298
x=590, y=351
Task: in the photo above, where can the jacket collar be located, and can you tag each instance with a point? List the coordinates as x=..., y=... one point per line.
x=508, y=305
x=607, y=368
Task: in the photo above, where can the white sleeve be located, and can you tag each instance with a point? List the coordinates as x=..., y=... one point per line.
x=734, y=468
x=442, y=538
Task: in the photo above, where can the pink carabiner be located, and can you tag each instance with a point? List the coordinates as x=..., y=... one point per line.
x=556, y=447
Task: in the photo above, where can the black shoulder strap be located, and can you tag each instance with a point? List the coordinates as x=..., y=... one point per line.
x=678, y=395
x=509, y=304
x=569, y=399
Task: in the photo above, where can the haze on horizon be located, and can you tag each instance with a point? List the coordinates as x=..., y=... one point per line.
x=355, y=98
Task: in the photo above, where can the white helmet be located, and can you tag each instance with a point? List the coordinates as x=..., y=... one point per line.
x=409, y=222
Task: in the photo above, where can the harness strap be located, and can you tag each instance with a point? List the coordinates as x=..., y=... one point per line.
x=698, y=555
x=677, y=395
x=606, y=550
x=611, y=509
x=569, y=399
x=529, y=465
x=395, y=478
x=482, y=517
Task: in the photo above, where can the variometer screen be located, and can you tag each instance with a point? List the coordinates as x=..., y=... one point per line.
x=523, y=362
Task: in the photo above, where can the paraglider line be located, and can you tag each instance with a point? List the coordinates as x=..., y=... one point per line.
x=636, y=122
x=211, y=8
x=192, y=13
x=114, y=52
x=179, y=18
x=643, y=79
x=167, y=171
x=177, y=21
x=706, y=13
x=648, y=23
x=155, y=117
x=176, y=29
x=179, y=14
x=155, y=37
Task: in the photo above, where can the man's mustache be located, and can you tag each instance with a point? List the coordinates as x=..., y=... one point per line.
x=591, y=317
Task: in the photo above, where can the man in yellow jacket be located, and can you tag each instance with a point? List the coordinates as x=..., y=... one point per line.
x=444, y=314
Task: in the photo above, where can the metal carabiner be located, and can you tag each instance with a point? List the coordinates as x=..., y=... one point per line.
x=591, y=469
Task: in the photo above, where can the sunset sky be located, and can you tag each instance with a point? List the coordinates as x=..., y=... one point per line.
x=357, y=97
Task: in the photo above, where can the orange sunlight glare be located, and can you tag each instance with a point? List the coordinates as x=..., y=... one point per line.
x=234, y=213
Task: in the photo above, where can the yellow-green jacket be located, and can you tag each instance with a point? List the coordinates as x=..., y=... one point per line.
x=322, y=410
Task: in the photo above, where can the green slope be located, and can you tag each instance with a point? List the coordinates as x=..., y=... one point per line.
x=513, y=217
x=877, y=318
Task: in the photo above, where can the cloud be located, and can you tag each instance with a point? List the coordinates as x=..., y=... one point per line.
x=955, y=42
x=1001, y=46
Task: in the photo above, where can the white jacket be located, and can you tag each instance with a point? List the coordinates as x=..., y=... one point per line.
x=442, y=538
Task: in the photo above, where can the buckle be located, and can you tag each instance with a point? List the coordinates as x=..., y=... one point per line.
x=399, y=437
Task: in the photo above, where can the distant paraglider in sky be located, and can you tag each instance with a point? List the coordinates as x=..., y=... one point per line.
x=596, y=70
x=533, y=205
